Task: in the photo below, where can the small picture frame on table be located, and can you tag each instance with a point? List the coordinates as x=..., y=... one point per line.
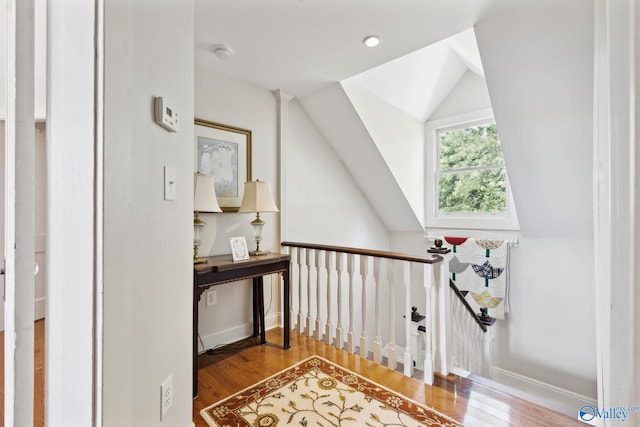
x=239, y=250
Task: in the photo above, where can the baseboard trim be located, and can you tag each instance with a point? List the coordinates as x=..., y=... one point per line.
x=544, y=394
x=236, y=333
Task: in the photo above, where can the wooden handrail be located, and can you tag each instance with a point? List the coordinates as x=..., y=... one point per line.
x=461, y=297
x=368, y=252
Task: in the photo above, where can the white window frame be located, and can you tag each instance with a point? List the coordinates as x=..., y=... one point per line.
x=507, y=220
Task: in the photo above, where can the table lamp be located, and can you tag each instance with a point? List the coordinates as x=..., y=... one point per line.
x=257, y=198
x=204, y=200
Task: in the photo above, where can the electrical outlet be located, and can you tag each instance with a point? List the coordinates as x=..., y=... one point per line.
x=212, y=298
x=166, y=396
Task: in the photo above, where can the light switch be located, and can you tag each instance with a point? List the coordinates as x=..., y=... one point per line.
x=169, y=183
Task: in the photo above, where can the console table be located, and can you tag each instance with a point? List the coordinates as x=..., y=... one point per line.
x=222, y=269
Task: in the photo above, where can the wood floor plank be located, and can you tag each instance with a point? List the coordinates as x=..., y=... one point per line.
x=471, y=403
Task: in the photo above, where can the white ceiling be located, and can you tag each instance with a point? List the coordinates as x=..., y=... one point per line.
x=418, y=82
x=302, y=46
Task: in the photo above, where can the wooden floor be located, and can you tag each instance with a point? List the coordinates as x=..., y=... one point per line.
x=38, y=362
x=471, y=403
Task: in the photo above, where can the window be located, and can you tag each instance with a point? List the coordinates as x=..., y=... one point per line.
x=468, y=186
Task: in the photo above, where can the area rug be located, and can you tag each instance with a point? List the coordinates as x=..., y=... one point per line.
x=316, y=392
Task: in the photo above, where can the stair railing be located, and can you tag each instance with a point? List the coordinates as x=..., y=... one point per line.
x=471, y=337
x=326, y=281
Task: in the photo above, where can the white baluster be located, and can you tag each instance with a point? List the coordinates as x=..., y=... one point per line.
x=487, y=354
x=318, y=329
x=351, y=347
x=329, y=266
x=471, y=350
x=364, y=272
x=340, y=269
x=391, y=348
x=377, y=342
x=309, y=292
x=406, y=279
x=467, y=344
x=455, y=360
x=429, y=322
x=292, y=307
x=441, y=281
x=300, y=293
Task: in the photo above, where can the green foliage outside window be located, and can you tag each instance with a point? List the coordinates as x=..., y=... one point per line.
x=471, y=175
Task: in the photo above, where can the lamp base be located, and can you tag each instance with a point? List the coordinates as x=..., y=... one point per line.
x=199, y=260
x=258, y=253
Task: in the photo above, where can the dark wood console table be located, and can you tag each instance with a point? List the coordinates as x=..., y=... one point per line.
x=221, y=269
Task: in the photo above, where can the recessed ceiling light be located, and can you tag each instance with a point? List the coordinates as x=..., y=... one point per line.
x=222, y=51
x=371, y=41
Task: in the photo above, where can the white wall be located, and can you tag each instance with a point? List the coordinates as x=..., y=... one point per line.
x=538, y=62
x=148, y=253
x=399, y=138
x=228, y=101
x=549, y=334
x=3, y=61
x=325, y=204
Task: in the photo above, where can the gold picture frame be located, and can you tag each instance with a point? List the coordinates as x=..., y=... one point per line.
x=225, y=152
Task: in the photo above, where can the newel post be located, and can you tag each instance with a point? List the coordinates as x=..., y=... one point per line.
x=443, y=326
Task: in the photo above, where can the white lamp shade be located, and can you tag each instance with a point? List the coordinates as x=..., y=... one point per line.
x=257, y=198
x=204, y=194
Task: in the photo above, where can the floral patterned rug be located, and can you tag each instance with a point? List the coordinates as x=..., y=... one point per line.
x=316, y=392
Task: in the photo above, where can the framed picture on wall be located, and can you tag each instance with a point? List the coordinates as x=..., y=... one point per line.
x=239, y=250
x=224, y=152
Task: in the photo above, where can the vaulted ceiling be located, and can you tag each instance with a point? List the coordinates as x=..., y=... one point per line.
x=302, y=46
x=537, y=61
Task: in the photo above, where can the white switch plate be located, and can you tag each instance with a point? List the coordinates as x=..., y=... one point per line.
x=166, y=396
x=169, y=183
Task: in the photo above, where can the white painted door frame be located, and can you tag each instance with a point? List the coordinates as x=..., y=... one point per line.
x=19, y=213
x=74, y=222
x=73, y=248
x=616, y=206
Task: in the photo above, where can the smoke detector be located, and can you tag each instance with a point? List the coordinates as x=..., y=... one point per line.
x=222, y=51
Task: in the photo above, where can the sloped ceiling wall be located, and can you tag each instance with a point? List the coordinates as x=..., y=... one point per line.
x=333, y=113
x=399, y=138
x=538, y=63
x=375, y=122
x=417, y=83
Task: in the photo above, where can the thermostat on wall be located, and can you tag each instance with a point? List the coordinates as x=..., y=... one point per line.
x=166, y=116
